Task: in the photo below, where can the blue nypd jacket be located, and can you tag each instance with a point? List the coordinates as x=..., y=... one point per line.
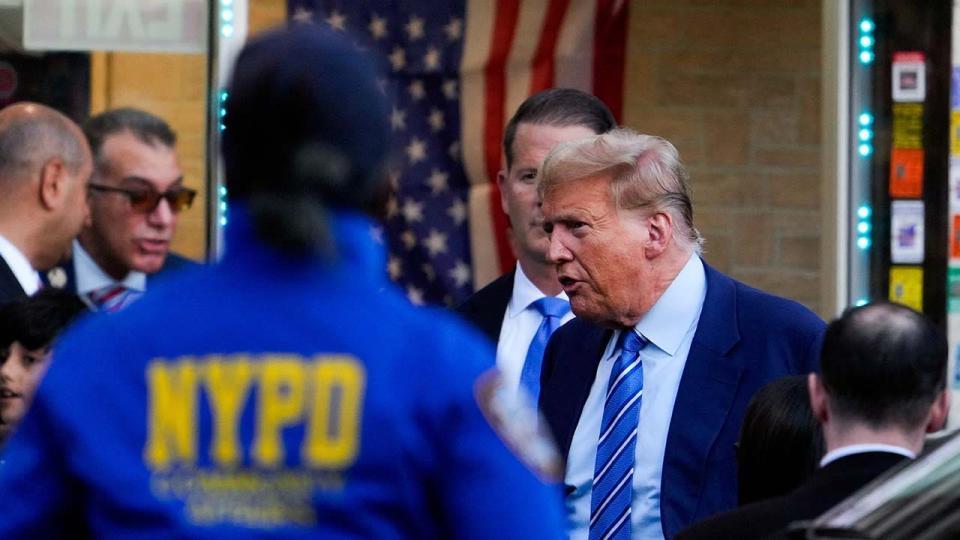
x=270, y=396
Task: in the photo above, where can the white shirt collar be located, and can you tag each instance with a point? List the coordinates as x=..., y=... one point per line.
x=524, y=293
x=91, y=277
x=28, y=277
x=667, y=322
x=845, y=451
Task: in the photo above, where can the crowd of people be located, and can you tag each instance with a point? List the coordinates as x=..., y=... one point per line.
x=613, y=385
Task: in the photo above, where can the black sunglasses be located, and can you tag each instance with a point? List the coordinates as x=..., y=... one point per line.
x=146, y=200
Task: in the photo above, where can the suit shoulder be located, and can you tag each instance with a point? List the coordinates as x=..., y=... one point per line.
x=757, y=520
x=771, y=310
x=492, y=297
x=176, y=261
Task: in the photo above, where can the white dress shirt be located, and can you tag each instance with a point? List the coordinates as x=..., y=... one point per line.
x=520, y=324
x=90, y=277
x=669, y=326
x=845, y=451
x=28, y=278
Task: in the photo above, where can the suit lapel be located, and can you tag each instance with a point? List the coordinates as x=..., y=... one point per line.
x=10, y=288
x=565, y=390
x=707, y=390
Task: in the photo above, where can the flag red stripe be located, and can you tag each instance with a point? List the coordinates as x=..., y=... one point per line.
x=544, y=66
x=504, y=29
x=609, y=53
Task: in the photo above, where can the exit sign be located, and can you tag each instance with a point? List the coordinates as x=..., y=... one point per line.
x=116, y=25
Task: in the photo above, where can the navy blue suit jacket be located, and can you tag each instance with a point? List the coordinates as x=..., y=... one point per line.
x=485, y=308
x=745, y=338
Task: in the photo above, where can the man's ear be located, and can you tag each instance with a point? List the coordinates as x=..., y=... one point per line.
x=818, y=398
x=52, y=183
x=939, y=411
x=660, y=233
x=501, y=180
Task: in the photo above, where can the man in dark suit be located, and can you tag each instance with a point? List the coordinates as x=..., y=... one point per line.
x=645, y=390
x=882, y=388
x=45, y=164
x=514, y=311
x=136, y=195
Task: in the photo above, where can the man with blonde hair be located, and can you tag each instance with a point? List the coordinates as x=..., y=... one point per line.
x=646, y=389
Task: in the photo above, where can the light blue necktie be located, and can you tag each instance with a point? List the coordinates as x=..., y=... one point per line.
x=552, y=309
x=612, y=494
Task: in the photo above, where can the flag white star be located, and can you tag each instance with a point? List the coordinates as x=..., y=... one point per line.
x=416, y=150
x=414, y=28
x=392, y=207
x=429, y=272
x=437, y=181
x=460, y=273
x=435, y=119
x=431, y=60
x=394, y=267
x=398, y=58
x=393, y=177
x=415, y=295
x=450, y=89
x=412, y=211
x=409, y=239
x=453, y=29
x=457, y=212
x=454, y=150
x=337, y=20
x=416, y=90
x=377, y=27
x=398, y=119
x=382, y=85
x=302, y=15
x=436, y=242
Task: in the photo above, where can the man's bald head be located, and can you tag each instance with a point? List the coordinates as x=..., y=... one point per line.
x=32, y=134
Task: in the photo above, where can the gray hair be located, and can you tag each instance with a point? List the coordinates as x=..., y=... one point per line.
x=646, y=173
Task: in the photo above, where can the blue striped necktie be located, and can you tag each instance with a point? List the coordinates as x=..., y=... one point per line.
x=612, y=494
x=552, y=309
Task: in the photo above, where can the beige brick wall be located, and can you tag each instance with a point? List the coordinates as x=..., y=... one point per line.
x=735, y=84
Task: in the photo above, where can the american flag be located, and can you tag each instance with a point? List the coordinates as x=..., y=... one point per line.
x=457, y=72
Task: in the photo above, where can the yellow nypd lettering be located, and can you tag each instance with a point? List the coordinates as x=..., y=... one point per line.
x=228, y=383
x=280, y=405
x=332, y=435
x=171, y=413
x=323, y=395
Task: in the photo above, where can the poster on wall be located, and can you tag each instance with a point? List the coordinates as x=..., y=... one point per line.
x=906, y=173
x=906, y=286
x=906, y=232
x=909, y=77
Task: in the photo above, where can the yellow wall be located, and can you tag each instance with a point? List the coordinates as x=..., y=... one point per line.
x=173, y=86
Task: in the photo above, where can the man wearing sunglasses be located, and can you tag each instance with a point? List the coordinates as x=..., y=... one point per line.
x=136, y=194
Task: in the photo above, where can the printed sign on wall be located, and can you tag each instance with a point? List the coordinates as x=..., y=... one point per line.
x=906, y=286
x=906, y=232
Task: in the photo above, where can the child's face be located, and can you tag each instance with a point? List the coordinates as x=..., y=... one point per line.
x=20, y=375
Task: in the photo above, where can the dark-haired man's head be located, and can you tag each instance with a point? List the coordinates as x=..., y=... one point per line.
x=28, y=328
x=131, y=224
x=883, y=371
x=545, y=119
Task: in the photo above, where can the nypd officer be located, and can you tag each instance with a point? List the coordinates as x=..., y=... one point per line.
x=288, y=391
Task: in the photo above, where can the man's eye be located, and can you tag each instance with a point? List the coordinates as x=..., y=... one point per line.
x=548, y=228
x=30, y=360
x=528, y=177
x=140, y=196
